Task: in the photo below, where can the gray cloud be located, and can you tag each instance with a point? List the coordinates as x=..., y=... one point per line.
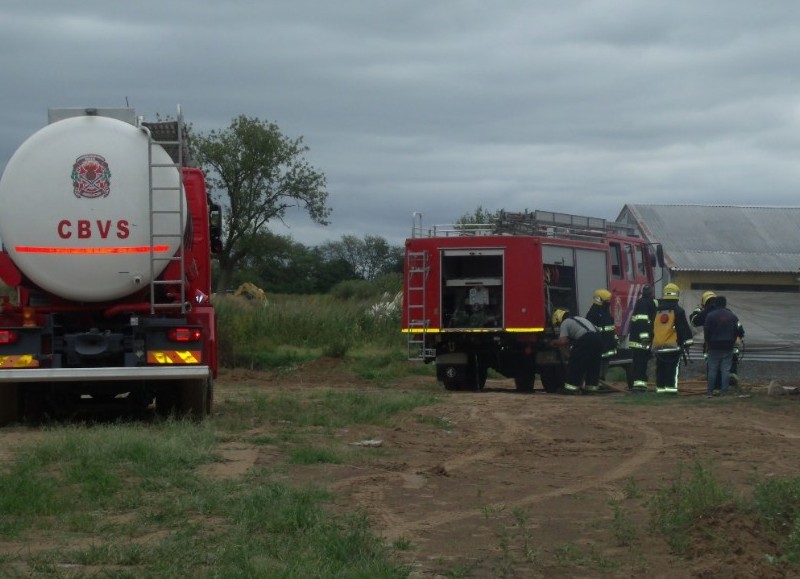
x=439, y=107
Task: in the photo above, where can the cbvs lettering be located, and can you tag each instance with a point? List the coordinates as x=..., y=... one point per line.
x=87, y=229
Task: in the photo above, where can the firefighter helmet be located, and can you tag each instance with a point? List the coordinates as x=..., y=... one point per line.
x=671, y=292
x=558, y=316
x=601, y=296
x=709, y=295
x=647, y=291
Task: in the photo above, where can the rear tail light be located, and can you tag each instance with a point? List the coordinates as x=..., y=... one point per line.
x=8, y=336
x=28, y=317
x=184, y=334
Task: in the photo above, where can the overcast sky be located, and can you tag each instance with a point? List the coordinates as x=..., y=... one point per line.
x=442, y=106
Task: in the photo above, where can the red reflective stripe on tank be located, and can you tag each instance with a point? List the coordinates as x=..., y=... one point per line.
x=91, y=250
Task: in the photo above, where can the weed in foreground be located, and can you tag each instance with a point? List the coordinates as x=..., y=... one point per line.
x=622, y=525
x=674, y=508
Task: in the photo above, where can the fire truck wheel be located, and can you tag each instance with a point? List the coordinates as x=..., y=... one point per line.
x=210, y=396
x=524, y=383
x=167, y=397
x=524, y=374
x=481, y=373
x=552, y=378
x=476, y=374
x=194, y=398
x=451, y=385
x=9, y=403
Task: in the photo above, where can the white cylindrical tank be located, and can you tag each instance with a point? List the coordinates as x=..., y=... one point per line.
x=75, y=209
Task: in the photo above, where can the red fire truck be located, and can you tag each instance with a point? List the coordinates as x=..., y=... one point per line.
x=107, y=234
x=477, y=297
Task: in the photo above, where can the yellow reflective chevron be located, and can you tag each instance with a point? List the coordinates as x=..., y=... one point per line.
x=19, y=361
x=174, y=357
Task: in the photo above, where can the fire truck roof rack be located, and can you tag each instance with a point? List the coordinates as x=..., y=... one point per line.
x=538, y=223
x=563, y=225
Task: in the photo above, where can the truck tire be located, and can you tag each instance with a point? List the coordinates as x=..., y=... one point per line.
x=524, y=373
x=167, y=398
x=210, y=397
x=451, y=385
x=552, y=377
x=9, y=403
x=476, y=374
x=194, y=398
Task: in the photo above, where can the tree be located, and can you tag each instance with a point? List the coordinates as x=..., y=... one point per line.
x=480, y=216
x=277, y=264
x=263, y=173
x=369, y=257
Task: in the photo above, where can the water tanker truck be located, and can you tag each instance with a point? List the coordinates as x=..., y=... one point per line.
x=107, y=233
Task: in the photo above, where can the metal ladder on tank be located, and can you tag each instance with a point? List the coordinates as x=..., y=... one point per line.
x=417, y=269
x=173, y=195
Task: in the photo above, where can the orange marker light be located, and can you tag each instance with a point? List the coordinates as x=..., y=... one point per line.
x=28, y=317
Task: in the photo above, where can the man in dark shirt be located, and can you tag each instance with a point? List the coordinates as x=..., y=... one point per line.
x=720, y=332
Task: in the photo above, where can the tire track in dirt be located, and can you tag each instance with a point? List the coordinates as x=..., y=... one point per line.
x=370, y=488
x=651, y=446
x=485, y=433
x=767, y=424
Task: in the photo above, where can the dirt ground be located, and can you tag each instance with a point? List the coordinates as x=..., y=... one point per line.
x=499, y=483
x=502, y=484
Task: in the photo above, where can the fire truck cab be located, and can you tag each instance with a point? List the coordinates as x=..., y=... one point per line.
x=480, y=296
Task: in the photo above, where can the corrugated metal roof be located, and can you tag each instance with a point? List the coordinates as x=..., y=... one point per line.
x=722, y=238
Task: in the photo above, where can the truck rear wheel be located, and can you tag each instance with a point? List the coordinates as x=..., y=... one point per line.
x=451, y=385
x=524, y=373
x=552, y=378
x=167, y=398
x=9, y=403
x=194, y=398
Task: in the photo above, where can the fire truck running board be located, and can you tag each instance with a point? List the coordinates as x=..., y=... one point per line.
x=99, y=374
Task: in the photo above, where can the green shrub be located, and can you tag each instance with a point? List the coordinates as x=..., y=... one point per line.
x=676, y=507
x=289, y=330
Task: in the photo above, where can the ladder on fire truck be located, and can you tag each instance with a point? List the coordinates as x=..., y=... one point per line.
x=166, y=206
x=417, y=269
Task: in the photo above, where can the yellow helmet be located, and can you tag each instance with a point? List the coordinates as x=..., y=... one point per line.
x=671, y=292
x=601, y=296
x=558, y=316
x=709, y=295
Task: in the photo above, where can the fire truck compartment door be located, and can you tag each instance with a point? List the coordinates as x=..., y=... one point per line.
x=557, y=255
x=591, y=273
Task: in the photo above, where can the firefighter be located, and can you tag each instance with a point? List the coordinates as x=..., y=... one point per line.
x=640, y=336
x=586, y=350
x=697, y=317
x=600, y=315
x=709, y=302
x=671, y=336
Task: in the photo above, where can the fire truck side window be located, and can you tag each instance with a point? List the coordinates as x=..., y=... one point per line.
x=628, y=262
x=640, y=261
x=616, y=260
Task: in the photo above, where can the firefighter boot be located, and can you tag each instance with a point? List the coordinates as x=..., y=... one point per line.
x=639, y=386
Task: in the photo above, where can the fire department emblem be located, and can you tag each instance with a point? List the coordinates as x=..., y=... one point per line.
x=91, y=177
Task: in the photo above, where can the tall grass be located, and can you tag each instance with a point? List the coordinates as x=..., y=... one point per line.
x=288, y=330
